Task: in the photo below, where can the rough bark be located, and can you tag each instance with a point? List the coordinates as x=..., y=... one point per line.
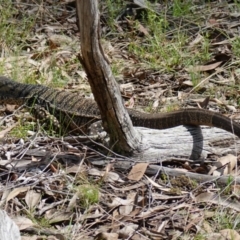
x=116, y=121
x=153, y=145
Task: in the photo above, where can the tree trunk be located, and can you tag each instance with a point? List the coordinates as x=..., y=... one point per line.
x=148, y=145
x=123, y=137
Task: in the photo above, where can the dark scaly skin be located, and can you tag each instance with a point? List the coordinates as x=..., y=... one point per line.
x=73, y=111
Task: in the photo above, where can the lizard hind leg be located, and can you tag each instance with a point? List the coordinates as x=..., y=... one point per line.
x=47, y=120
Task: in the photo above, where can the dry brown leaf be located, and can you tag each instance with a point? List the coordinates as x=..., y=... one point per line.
x=72, y=202
x=107, y=236
x=161, y=196
x=236, y=190
x=212, y=22
x=23, y=222
x=204, y=103
x=32, y=198
x=182, y=205
x=113, y=177
x=16, y=191
x=204, y=67
x=7, y=130
x=188, y=83
x=137, y=171
x=230, y=234
x=216, y=199
x=126, y=88
x=224, y=165
x=96, y=172
x=59, y=216
x=219, y=102
x=32, y=237
x=76, y=169
x=108, y=176
x=128, y=230
x=119, y=201
x=4, y=196
x=128, y=188
x=162, y=188
x=215, y=236
x=130, y=103
x=92, y=216
x=196, y=219
x=82, y=75
x=181, y=169
x=142, y=29
x=58, y=237
x=207, y=227
x=197, y=40
x=155, y=104
x=10, y=108
x=125, y=210
x=152, y=211
x=231, y=108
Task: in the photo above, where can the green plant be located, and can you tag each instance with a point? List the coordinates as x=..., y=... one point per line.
x=13, y=33
x=22, y=130
x=226, y=220
x=236, y=46
x=205, y=53
x=199, y=236
x=15, y=27
x=172, y=107
x=195, y=78
x=181, y=7
x=43, y=222
x=113, y=8
x=88, y=194
x=236, y=2
x=228, y=189
x=149, y=108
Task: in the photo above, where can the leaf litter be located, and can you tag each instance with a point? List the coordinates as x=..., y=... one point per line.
x=40, y=174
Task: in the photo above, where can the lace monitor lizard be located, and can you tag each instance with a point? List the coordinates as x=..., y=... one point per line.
x=73, y=111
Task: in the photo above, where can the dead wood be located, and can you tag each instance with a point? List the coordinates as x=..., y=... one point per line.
x=181, y=144
x=148, y=145
x=106, y=91
x=8, y=229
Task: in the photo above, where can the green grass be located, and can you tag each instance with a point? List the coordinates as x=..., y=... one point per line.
x=172, y=107
x=88, y=194
x=113, y=8
x=237, y=4
x=13, y=32
x=226, y=220
x=195, y=78
x=236, y=46
x=165, y=50
x=22, y=130
x=18, y=42
x=149, y=107
x=15, y=28
x=181, y=7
